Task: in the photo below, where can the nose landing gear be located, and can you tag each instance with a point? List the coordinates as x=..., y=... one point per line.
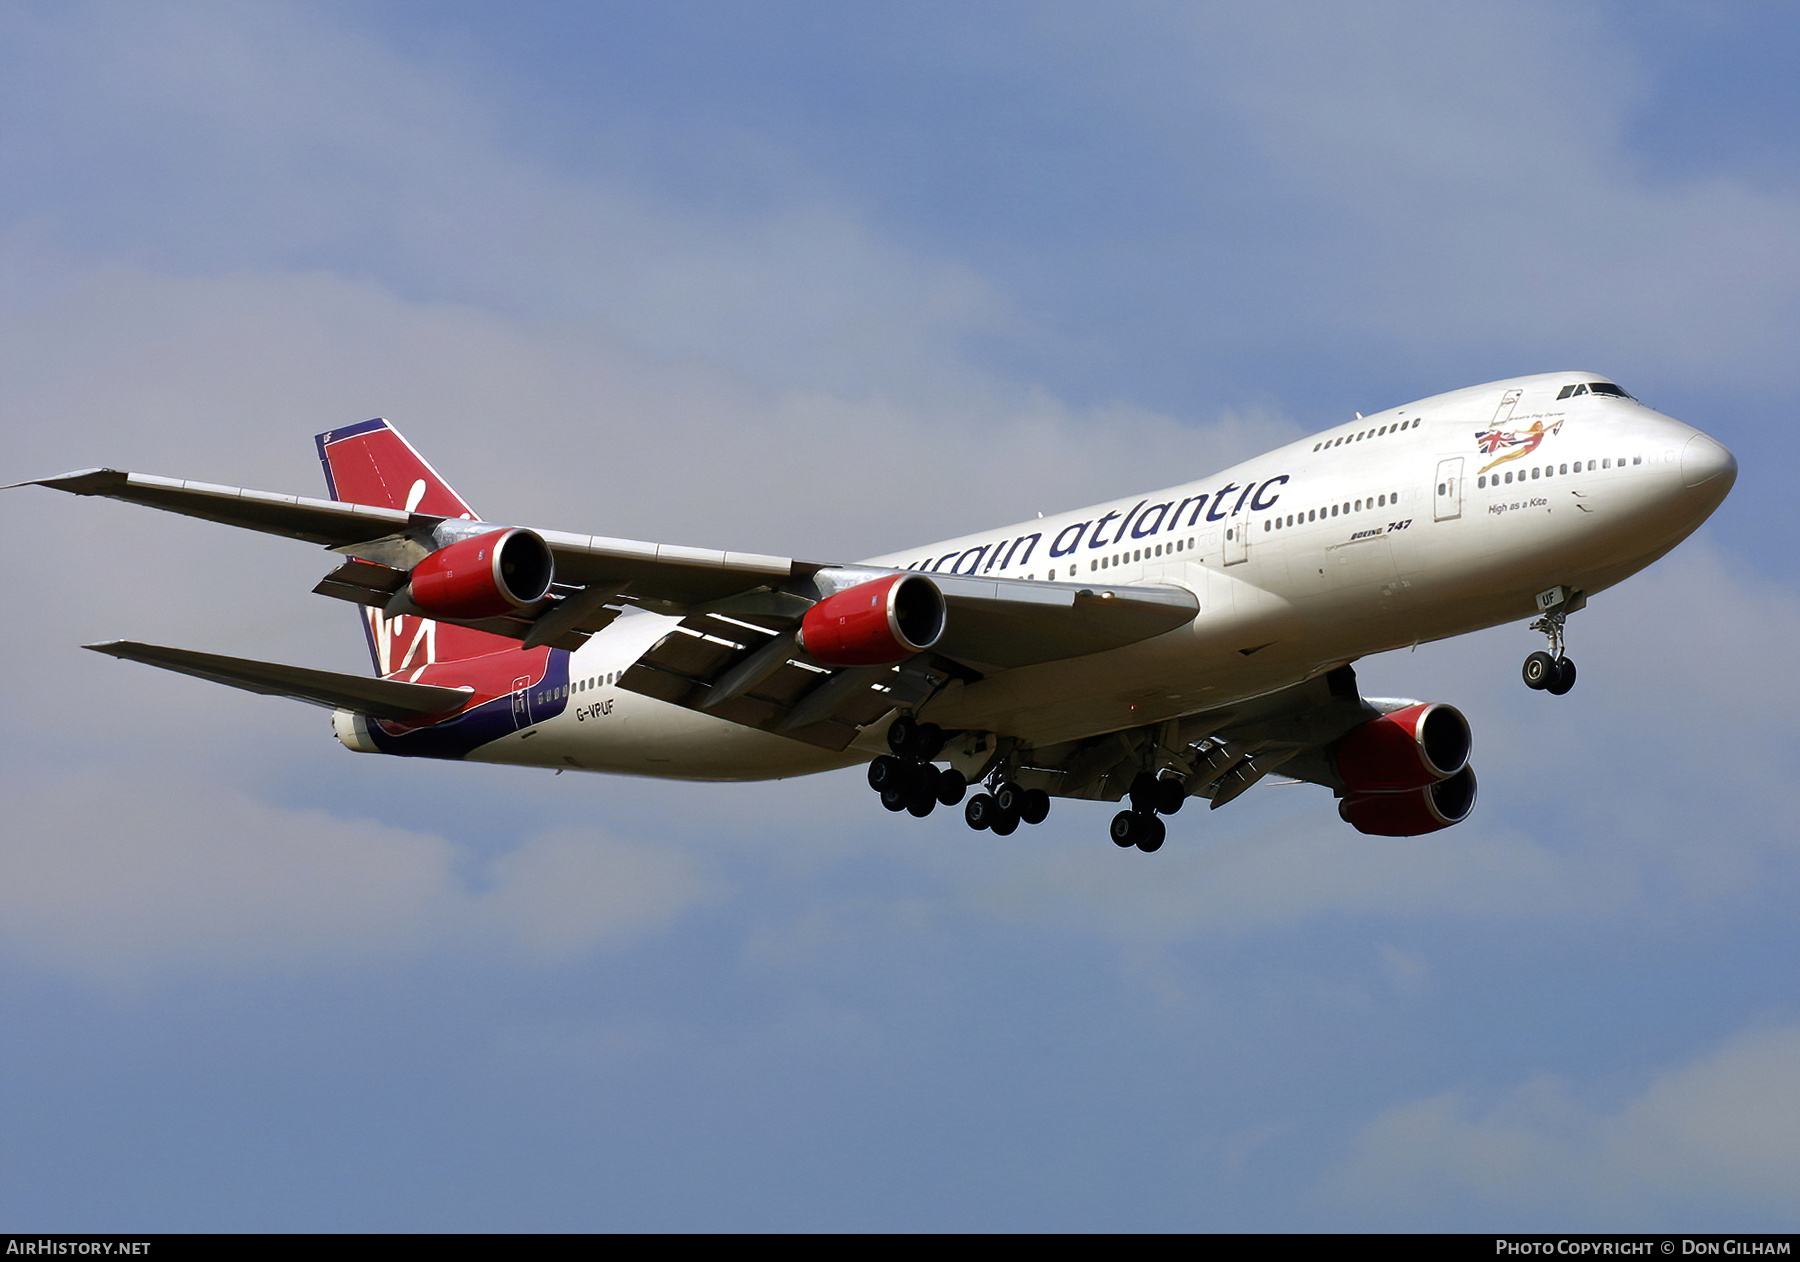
x=1553, y=672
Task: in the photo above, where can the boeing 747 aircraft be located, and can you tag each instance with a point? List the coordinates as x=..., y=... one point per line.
x=1186, y=642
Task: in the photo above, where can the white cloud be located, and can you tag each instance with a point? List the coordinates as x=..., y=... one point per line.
x=565, y=893
x=1723, y=1131
x=129, y=876
x=1454, y=180
x=267, y=137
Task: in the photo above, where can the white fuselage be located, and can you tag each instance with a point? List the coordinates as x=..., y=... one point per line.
x=1392, y=530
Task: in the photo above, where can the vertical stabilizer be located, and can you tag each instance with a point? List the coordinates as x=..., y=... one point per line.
x=372, y=463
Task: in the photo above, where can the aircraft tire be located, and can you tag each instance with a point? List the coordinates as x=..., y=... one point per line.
x=1125, y=829
x=980, y=812
x=1153, y=834
x=1170, y=794
x=895, y=799
x=1539, y=671
x=922, y=803
x=1009, y=797
x=886, y=772
x=1565, y=678
x=1034, y=806
x=902, y=734
x=1144, y=792
x=951, y=785
x=1005, y=823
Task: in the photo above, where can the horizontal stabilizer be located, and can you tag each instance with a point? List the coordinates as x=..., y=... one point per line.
x=316, y=521
x=377, y=698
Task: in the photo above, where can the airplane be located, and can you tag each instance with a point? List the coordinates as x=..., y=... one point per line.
x=1187, y=642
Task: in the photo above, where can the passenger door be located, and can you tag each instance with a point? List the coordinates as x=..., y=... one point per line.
x=1237, y=540
x=1447, y=502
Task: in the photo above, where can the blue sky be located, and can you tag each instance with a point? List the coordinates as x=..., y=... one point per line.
x=828, y=281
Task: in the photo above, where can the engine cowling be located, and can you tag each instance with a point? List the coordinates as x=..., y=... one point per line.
x=876, y=623
x=1408, y=749
x=483, y=576
x=1413, y=812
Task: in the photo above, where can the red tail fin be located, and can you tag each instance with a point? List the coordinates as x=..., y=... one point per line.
x=372, y=464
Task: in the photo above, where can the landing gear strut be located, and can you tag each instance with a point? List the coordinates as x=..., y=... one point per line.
x=1553, y=672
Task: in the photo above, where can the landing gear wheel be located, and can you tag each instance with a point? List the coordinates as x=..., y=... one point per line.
x=1170, y=794
x=1125, y=829
x=922, y=801
x=902, y=732
x=895, y=799
x=1539, y=671
x=1009, y=796
x=951, y=786
x=1034, y=806
x=886, y=772
x=1144, y=792
x=1565, y=678
x=980, y=812
x=1005, y=822
x=912, y=739
x=1154, y=832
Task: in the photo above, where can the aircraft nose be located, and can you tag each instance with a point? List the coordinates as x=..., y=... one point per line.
x=1703, y=460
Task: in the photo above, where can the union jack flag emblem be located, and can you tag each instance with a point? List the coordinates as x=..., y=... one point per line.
x=1525, y=441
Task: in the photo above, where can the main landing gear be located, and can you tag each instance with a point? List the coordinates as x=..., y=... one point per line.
x=908, y=781
x=906, y=778
x=1553, y=672
x=1140, y=826
x=1006, y=807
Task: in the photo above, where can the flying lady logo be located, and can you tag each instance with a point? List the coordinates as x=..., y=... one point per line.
x=1522, y=442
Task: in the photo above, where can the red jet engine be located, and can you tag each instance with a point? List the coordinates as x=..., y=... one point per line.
x=876, y=623
x=1408, y=772
x=483, y=576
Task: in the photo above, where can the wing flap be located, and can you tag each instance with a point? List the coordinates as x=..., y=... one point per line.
x=377, y=698
x=759, y=677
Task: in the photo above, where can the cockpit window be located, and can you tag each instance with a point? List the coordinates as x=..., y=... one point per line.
x=1598, y=387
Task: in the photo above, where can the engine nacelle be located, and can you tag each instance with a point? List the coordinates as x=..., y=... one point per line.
x=352, y=730
x=876, y=623
x=1414, y=812
x=1408, y=749
x=483, y=576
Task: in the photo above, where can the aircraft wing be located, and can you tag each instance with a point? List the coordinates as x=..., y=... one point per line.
x=735, y=654
x=1223, y=752
x=740, y=658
